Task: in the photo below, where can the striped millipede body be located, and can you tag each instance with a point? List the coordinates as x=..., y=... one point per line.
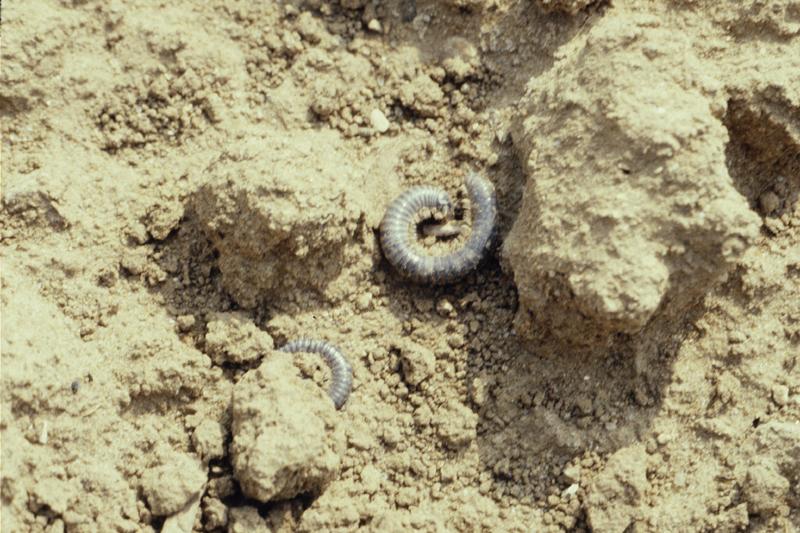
x=402, y=215
x=342, y=372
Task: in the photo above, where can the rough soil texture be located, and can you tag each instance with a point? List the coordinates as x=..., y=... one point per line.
x=285, y=443
x=188, y=185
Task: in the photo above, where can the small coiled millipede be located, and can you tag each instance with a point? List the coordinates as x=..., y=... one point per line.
x=402, y=216
x=342, y=372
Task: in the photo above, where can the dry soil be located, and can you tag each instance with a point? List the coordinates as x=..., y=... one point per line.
x=188, y=185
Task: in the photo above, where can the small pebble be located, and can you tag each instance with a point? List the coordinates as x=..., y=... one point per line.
x=780, y=395
x=651, y=446
x=43, y=435
x=374, y=25
x=769, y=202
x=392, y=436
x=456, y=341
x=663, y=438
x=363, y=301
x=478, y=391
x=570, y=491
x=736, y=337
x=75, y=386
x=185, y=322
x=445, y=308
x=572, y=474
x=379, y=121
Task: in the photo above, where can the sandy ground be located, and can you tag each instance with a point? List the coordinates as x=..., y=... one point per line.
x=188, y=185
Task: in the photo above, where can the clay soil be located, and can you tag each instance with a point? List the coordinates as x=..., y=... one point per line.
x=186, y=186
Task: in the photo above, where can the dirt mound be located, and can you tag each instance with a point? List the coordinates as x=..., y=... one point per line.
x=303, y=208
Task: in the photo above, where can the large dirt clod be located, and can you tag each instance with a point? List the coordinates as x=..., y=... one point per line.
x=286, y=439
x=628, y=205
x=281, y=216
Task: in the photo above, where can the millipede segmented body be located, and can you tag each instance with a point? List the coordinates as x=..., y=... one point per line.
x=402, y=216
x=342, y=372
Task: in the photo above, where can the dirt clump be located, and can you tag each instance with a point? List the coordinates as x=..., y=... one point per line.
x=286, y=438
x=662, y=219
x=623, y=481
x=171, y=485
x=233, y=338
x=301, y=219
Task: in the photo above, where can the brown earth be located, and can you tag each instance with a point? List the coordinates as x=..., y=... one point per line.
x=186, y=186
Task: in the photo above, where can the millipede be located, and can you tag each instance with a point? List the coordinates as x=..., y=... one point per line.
x=403, y=215
x=342, y=372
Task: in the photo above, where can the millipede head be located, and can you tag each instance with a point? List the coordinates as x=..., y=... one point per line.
x=444, y=204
